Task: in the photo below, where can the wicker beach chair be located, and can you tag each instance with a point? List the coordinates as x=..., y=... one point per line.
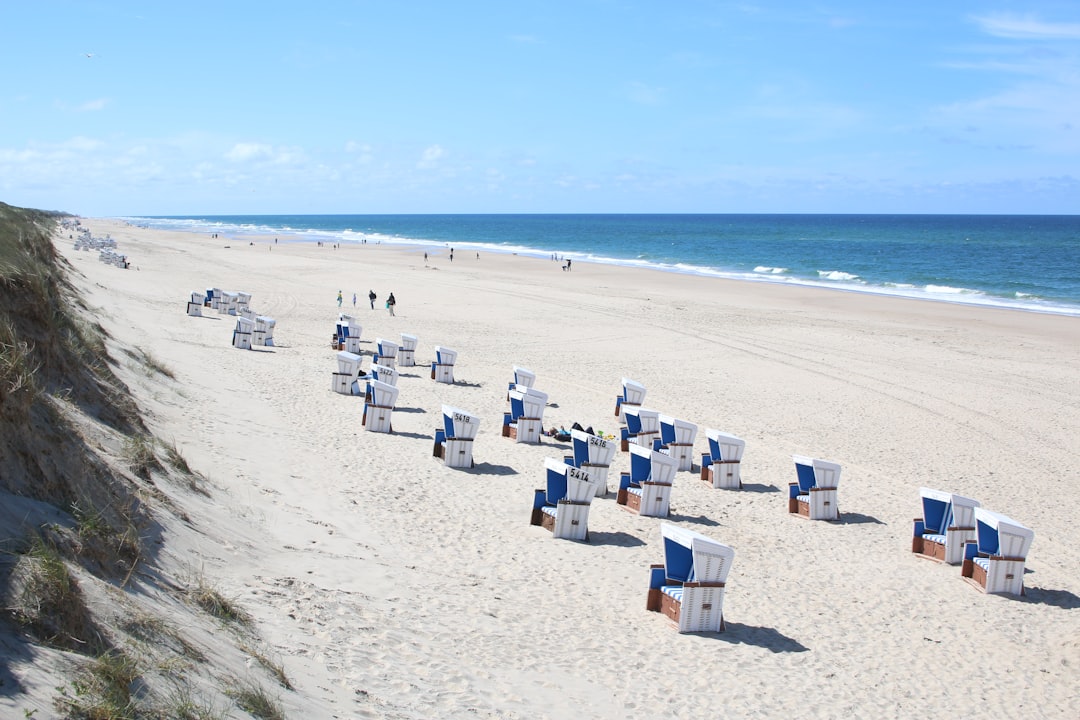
x=593, y=454
x=454, y=440
x=646, y=489
x=689, y=587
x=563, y=505
x=994, y=561
x=721, y=466
x=947, y=523
x=814, y=495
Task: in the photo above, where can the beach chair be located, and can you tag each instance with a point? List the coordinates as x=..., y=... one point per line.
x=454, y=440
x=386, y=352
x=442, y=368
x=633, y=394
x=646, y=489
x=948, y=521
x=522, y=376
x=347, y=373
x=994, y=560
x=642, y=427
x=264, y=331
x=229, y=303
x=243, y=300
x=406, y=354
x=241, y=337
x=563, y=506
x=196, y=304
x=593, y=454
x=378, y=406
x=814, y=495
x=347, y=334
x=677, y=440
x=525, y=421
x=213, y=298
x=689, y=587
x=720, y=467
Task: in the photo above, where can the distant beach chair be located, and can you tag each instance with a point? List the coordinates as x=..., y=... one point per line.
x=347, y=334
x=406, y=354
x=522, y=376
x=994, y=561
x=347, y=373
x=947, y=523
x=213, y=298
x=525, y=421
x=689, y=587
x=442, y=367
x=196, y=304
x=264, y=331
x=382, y=373
x=721, y=465
x=814, y=495
x=563, y=506
x=633, y=394
x=378, y=406
x=646, y=489
x=386, y=352
x=642, y=427
x=243, y=300
x=230, y=303
x=241, y=337
x=677, y=440
x=454, y=440
x=593, y=454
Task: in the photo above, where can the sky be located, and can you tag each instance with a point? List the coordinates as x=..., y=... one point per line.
x=112, y=108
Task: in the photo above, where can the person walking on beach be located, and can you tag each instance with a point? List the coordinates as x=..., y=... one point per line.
x=339, y=298
x=390, y=303
x=354, y=300
x=371, y=298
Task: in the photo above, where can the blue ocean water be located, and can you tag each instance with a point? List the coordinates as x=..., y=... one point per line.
x=1018, y=261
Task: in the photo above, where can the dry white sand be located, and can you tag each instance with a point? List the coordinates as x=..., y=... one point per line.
x=392, y=586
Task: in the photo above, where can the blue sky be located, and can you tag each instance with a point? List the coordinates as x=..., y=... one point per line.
x=139, y=108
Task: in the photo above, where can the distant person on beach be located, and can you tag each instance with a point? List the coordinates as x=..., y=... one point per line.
x=371, y=298
x=568, y=261
x=354, y=299
x=339, y=298
x=390, y=303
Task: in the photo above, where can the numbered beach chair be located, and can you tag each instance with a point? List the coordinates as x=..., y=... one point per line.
x=642, y=427
x=994, y=561
x=348, y=370
x=593, y=454
x=378, y=406
x=814, y=495
x=720, y=467
x=948, y=521
x=442, y=368
x=689, y=587
x=646, y=489
x=406, y=354
x=241, y=337
x=454, y=440
x=386, y=352
x=633, y=394
x=563, y=506
x=525, y=421
x=677, y=440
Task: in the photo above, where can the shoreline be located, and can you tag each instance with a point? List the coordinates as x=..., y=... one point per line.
x=959, y=296
x=392, y=586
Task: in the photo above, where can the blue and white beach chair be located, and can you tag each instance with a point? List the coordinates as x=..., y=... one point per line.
x=406, y=353
x=593, y=454
x=196, y=304
x=721, y=466
x=689, y=587
x=454, y=440
x=241, y=337
x=522, y=376
x=642, y=427
x=947, y=523
x=646, y=489
x=348, y=370
x=633, y=394
x=814, y=495
x=347, y=334
x=525, y=421
x=563, y=506
x=677, y=440
x=386, y=352
x=442, y=368
x=378, y=406
x=264, y=331
x=994, y=561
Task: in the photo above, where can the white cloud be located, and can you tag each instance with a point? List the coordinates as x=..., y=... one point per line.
x=1026, y=27
x=93, y=105
x=431, y=156
x=242, y=152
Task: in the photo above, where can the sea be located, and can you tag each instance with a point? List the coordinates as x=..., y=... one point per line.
x=1022, y=262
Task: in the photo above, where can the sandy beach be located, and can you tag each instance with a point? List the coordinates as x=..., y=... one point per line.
x=392, y=586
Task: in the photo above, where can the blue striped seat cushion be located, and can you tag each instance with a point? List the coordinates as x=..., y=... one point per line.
x=549, y=510
x=674, y=591
x=935, y=538
x=634, y=491
x=803, y=498
x=982, y=562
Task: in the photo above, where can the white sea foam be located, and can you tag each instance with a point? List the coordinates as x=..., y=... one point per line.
x=946, y=290
x=766, y=270
x=836, y=275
